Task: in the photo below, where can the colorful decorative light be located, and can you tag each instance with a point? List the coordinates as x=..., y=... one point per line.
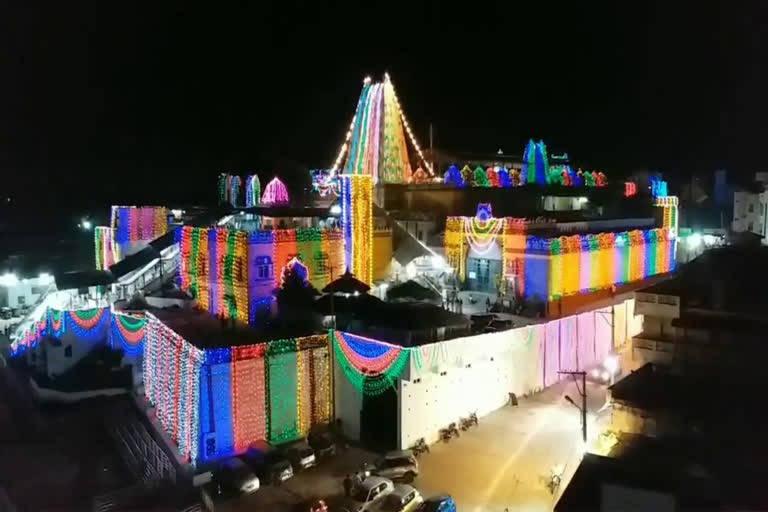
x=455, y=249
x=275, y=192
x=104, y=247
x=357, y=224
x=171, y=376
x=480, y=178
x=324, y=183
x=420, y=176
x=630, y=188
x=252, y=190
x=135, y=224
x=127, y=333
x=535, y=163
x=375, y=143
x=453, y=177
x=371, y=366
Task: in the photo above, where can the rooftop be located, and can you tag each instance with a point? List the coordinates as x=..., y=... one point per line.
x=667, y=287
x=700, y=396
x=207, y=331
x=698, y=476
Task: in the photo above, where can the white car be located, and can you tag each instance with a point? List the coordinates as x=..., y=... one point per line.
x=403, y=499
x=371, y=491
x=236, y=475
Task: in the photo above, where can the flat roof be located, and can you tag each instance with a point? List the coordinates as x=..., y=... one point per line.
x=703, y=395
x=666, y=287
x=206, y=331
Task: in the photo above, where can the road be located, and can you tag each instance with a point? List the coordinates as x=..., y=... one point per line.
x=505, y=461
x=502, y=463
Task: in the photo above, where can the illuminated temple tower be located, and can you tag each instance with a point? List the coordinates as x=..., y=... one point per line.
x=375, y=151
x=375, y=144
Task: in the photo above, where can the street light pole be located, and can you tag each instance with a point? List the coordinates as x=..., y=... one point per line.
x=583, y=393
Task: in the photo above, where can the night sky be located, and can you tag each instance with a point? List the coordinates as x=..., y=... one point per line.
x=124, y=104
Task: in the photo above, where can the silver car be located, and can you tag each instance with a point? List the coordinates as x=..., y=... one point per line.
x=367, y=494
x=397, y=465
x=403, y=499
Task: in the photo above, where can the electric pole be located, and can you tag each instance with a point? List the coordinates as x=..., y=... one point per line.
x=583, y=393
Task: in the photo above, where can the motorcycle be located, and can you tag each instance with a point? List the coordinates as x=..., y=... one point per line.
x=469, y=421
x=448, y=432
x=420, y=447
x=555, y=477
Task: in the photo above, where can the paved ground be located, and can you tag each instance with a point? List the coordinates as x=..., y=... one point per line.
x=502, y=463
x=505, y=462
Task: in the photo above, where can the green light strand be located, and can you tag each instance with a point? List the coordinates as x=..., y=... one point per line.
x=480, y=178
x=87, y=314
x=229, y=263
x=371, y=385
x=194, y=247
x=130, y=323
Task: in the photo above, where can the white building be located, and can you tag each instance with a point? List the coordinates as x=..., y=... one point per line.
x=750, y=209
x=19, y=293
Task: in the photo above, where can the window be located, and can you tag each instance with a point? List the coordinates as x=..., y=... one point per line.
x=751, y=208
x=320, y=261
x=750, y=226
x=22, y=300
x=263, y=267
x=68, y=351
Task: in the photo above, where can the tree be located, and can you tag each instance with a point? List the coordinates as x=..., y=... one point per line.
x=295, y=299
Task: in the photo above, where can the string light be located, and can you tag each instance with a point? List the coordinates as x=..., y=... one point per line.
x=551, y=268
x=275, y=192
x=480, y=178
x=324, y=183
x=357, y=223
x=414, y=142
x=370, y=376
x=104, y=247
x=453, y=177
x=127, y=333
x=375, y=141
x=252, y=190
x=137, y=224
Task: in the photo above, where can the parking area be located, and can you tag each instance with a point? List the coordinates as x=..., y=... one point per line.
x=503, y=463
x=323, y=481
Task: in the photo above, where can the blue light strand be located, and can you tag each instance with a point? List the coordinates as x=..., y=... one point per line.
x=365, y=348
x=94, y=333
x=127, y=348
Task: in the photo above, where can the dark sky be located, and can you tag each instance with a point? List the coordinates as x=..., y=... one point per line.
x=122, y=103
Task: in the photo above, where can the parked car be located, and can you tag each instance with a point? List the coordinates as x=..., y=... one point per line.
x=6, y=313
x=322, y=443
x=301, y=456
x=397, y=465
x=237, y=476
x=367, y=494
x=441, y=503
x=403, y=498
x=271, y=465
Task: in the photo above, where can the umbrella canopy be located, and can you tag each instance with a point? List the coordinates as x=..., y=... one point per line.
x=413, y=290
x=347, y=284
